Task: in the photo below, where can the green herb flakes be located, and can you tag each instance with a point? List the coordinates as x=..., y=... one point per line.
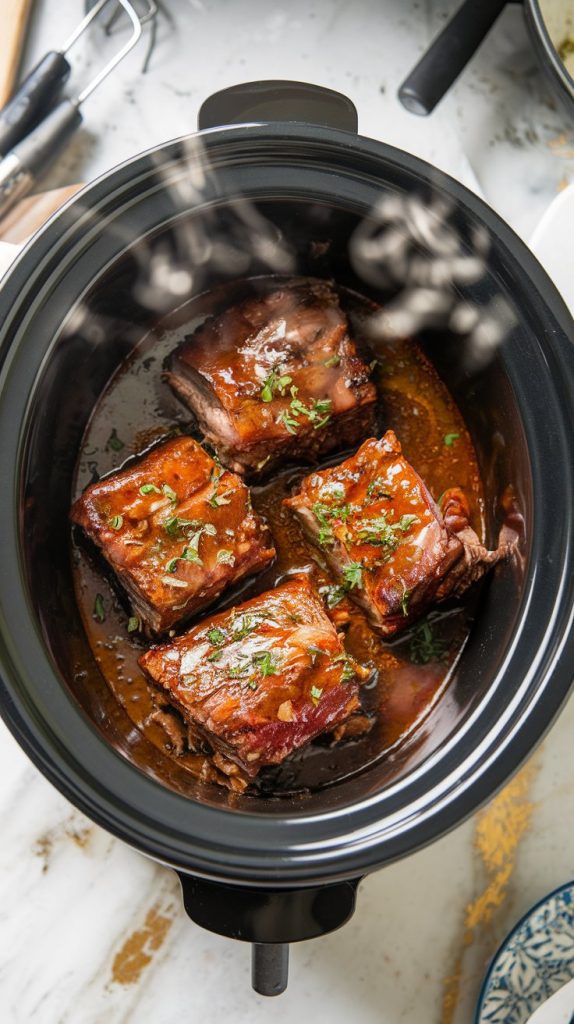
x=215, y=656
x=353, y=575
x=333, y=595
x=114, y=442
x=134, y=624
x=275, y=383
x=449, y=439
x=405, y=601
x=216, y=636
x=377, y=489
x=405, y=522
x=318, y=413
x=172, y=564
x=225, y=557
x=169, y=493
x=116, y=522
x=149, y=489
x=315, y=693
x=175, y=526
x=234, y=671
x=425, y=646
x=332, y=361
x=215, y=499
x=316, y=652
x=266, y=662
x=99, y=612
x=348, y=667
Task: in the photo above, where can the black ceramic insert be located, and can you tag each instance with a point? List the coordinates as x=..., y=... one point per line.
x=310, y=185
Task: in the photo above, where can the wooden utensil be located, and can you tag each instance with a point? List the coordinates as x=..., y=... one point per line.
x=14, y=21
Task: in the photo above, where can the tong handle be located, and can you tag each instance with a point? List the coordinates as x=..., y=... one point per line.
x=30, y=157
x=32, y=99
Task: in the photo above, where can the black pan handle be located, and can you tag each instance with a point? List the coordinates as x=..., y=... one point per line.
x=278, y=101
x=32, y=99
x=448, y=54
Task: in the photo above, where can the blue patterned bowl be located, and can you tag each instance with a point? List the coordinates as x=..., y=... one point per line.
x=534, y=961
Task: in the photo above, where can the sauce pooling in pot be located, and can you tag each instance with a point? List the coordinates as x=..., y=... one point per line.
x=406, y=677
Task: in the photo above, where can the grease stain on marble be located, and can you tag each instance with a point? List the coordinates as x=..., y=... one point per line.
x=498, y=832
x=75, y=828
x=139, y=948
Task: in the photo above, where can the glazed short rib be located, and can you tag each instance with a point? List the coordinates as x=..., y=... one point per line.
x=176, y=528
x=261, y=680
x=276, y=377
x=391, y=548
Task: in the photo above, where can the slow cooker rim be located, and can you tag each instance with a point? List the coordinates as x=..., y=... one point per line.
x=17, y=720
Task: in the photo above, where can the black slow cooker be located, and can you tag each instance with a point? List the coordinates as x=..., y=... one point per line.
x=273, y=871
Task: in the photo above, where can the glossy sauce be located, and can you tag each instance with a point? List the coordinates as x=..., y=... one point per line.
x=138, y=409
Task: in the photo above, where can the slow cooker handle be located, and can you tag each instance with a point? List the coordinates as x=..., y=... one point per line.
x=269, y=919
x=254, y=102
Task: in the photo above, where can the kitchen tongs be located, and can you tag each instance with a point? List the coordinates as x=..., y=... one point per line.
x=33, y=127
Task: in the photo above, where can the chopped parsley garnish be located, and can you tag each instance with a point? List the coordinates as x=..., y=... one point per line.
x=237, y=670
x=252, y=684
x=169, y=493
x=405, y=601
x=134, y=624
x=225, y=557
x=378, y=530
x=275, y=382
x=316, y=692
x=296, y=619
x=215, y=499
x=114, y=442
x=348, y=667
x=318, y=413
x=316, y=652
x=266, y=662
x=174, y=526
x=325, y=516
x=288, y=421
x=333, y=595
x=353, y=575
x=190, y=552
x=99, y=610
x=116, y=522
x=449, y=439
x=426, y=646
x=376, y=489
x=247, y=626
x=216, y=636
x=149, y=489
x=214, y=656
x=332, y=361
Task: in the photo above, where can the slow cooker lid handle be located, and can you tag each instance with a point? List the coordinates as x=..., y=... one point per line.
x=278, y=101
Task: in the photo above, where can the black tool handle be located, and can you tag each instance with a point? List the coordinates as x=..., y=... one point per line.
x=32, y=99
x=43, y=144
x=448, y=54
x=35, y=152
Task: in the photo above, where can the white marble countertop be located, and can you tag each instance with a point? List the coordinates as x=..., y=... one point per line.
x=91, y=932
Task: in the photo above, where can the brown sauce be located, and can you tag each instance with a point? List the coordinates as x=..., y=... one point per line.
x=408, y=676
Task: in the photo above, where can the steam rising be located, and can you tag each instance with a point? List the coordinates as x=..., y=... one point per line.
x=408, y=247
x=414, y=249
